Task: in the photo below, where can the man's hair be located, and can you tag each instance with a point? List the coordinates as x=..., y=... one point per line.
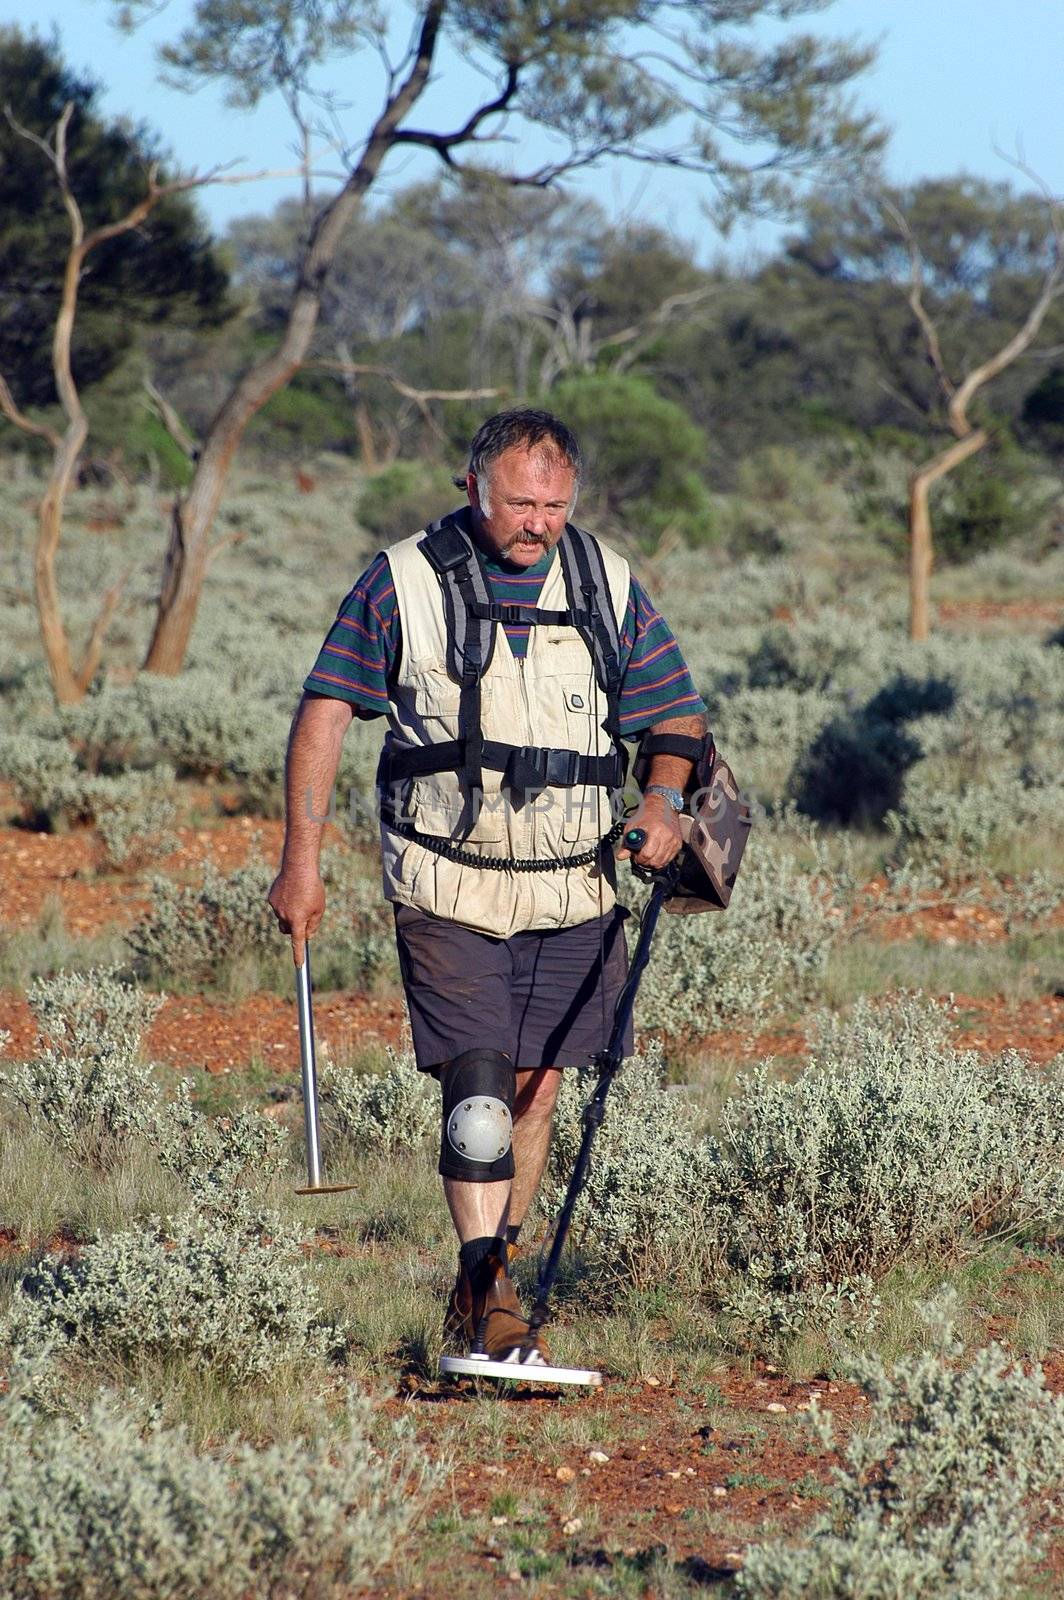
x=529, y=430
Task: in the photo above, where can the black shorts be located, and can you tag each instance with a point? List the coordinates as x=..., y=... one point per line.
x=541, y=997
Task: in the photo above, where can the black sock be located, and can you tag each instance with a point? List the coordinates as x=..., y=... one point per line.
x=512, y=1231
x=474, y=1254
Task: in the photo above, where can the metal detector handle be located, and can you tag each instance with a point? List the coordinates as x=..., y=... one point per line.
x=308, y=1069
x=634, y=840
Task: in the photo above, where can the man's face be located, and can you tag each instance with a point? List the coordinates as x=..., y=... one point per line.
x=521, y=511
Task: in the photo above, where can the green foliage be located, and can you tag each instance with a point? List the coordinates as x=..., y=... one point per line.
x=227, y=1299
x=86, y=1083
x=933, y=1499
x=380, y=1112
x=98, y=1507
x=644, y=456
x=890, y=1146
x=164, y=271
x=404, y=498
x=304, y=418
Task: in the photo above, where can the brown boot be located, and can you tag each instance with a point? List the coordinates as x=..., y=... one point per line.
x=489, y=1319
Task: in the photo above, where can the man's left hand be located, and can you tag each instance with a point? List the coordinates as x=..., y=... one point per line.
x=662, y=828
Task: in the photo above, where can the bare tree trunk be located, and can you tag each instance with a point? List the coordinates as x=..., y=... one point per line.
x=188, y=553
x=920, y=549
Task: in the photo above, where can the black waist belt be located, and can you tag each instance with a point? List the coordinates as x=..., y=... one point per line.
x=525, y=767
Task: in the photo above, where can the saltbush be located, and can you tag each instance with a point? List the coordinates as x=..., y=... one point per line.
x=769, y=949
x=380, y=1112
x=932, y=1501
x=642, y=1213
x=218, y=1159
x=86, y=1084
x=97, y=1509
x=231, y=1300
x=891, y=1145
x=222, y=934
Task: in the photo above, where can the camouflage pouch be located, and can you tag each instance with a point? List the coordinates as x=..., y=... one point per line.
x=716, y=828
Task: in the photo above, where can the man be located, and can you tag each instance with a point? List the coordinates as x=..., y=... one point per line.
x=510, y=652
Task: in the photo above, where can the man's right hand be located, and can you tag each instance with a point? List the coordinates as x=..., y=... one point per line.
x=297, y=899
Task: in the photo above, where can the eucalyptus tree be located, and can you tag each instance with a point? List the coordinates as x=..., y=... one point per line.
x=679, y=83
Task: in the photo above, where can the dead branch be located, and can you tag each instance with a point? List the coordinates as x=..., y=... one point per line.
x=916, y=299
x=37, y=430
x=171, y=421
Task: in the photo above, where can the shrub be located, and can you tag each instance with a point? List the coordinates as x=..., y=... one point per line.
x=854, y=769
x=930, y=1501
x=768, y=949
x=224, y=935
x=215, y=1157
x=133, y=816
x=980, y=508
x=388, y=1111
x=645, y=456
x=643, y=1211
x=405, y=497
x=86, y=1085
x=44, y=776
x=132, y=812
x=954, y=826
x=225, y=1298
x=98, y=1510
x=891, y=1145
x=193, y=937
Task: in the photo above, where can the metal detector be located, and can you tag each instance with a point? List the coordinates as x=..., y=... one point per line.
x=309, y=1071
x=608, y=1063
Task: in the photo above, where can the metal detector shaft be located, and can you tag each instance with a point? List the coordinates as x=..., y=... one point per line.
x=608, y=1064
x=308, y=1069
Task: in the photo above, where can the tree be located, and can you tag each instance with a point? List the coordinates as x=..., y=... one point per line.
x=671, y=82
x=167, y=271
x=70, y=682
x=959, y=395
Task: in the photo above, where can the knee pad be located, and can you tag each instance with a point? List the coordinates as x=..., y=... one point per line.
x=478, y=1099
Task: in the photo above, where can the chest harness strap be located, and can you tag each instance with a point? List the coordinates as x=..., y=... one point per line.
x=472, y=618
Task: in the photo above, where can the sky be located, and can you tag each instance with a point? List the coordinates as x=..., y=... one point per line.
x=954, y=80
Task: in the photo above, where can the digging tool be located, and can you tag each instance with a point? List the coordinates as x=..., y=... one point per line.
x=608, y=1063
x=309, y=1071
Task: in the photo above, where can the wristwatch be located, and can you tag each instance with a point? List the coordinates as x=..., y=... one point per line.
x=673, y=796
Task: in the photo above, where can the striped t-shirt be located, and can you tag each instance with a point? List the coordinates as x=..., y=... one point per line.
x=361, y=647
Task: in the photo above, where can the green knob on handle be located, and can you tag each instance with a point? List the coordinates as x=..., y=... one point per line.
x=635, y=839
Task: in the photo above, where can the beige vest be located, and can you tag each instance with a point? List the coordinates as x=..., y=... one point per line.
x=550, y=699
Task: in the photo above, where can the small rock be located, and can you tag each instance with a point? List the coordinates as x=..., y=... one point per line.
x=733, y=1555
x=672, y=1474
x=513, y=1575
x=598, y=1457
x=573, y=1525
x=719, y=1492
x=499, y=1522
x=652, y=1383
x=775, y=1405
x=690, y=1472
x=565, y=1474
x=833, y=1388
x=585, y=1472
